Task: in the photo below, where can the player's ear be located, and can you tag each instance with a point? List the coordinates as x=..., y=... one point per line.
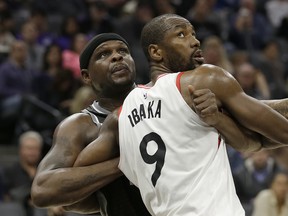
x=155, y=52
x=85, y=76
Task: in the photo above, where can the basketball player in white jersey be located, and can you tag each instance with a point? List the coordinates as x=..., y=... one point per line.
x=180, y=164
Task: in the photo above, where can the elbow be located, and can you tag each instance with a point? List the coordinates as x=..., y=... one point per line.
x=41, y=197
x=37, y=199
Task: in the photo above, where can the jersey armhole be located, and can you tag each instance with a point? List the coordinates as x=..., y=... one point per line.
x=178, y=78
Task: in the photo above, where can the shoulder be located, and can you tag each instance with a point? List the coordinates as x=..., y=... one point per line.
x=76, y=119
x=113, y=116
x=212, y=70
x=78, y=123
x=209, y=76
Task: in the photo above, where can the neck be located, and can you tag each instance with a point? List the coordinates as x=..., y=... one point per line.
x=112, y=102
x=156, y=70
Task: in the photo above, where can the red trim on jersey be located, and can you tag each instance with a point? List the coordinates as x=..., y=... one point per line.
x=178, y=84
x=161, y=75
x=143, y=86
x=219, y=139
x=119, y=110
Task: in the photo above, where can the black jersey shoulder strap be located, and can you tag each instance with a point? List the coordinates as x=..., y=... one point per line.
x=97, y=113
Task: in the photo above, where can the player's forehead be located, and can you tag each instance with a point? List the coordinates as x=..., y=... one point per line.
x=174, y=23
x=111, y=44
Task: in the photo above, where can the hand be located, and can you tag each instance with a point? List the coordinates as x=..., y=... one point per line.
x=205, y=105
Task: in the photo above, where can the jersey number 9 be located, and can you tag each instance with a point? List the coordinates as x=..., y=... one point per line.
x=158, y=157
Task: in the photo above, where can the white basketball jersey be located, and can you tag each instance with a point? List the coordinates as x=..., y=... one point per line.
x=178, y=162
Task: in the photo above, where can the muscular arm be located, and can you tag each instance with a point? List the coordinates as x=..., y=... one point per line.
x=205, y=105
x=249, y=112
x=281, y=106
x=105, y=146
x=57, y=182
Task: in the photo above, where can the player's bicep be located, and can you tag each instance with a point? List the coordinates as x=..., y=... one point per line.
x=104, y=147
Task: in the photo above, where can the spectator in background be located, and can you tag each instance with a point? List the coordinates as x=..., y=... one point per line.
x=69, y=28
x=248, y=77
x=205, y=19
x=46, y=35
x=15, y=77
x=253, y=176
x=273, y=201
x=6, y=36
x=99, y=19
x=215, y=53
x=15, y=84
x=249, y=30
x=270, y=61
x=30, y=34
x=133, y=25
x=56, y=9
x=19, y=176
x=62, y=90
x=276, y=11
x=55, y=85
x=71, y=56
x=52, y=64
x=163, y=7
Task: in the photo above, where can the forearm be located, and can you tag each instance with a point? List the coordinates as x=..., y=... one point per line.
x=280, y=106
x=236, y=136
x=66, y=186
x=89, y=205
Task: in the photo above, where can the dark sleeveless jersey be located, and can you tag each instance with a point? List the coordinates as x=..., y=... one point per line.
x=119, y=198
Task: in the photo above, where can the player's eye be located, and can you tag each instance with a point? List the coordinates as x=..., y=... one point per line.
x=124, y=51
x=102, y=55
x=181, y=34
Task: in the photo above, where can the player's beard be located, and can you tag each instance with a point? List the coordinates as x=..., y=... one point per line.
x=177, y=62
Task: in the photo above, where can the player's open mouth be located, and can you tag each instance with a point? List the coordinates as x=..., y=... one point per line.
x=198, y=57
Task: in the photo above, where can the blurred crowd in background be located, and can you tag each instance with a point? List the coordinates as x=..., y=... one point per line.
x=40, y=78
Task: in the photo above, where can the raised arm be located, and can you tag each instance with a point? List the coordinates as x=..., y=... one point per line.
x=57, y=182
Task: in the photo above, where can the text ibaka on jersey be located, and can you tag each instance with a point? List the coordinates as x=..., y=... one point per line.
x=152, y=109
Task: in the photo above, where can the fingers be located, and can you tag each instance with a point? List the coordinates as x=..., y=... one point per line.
x=203, y=95
x=207, y=111
x=204, y=101
x=191, y=90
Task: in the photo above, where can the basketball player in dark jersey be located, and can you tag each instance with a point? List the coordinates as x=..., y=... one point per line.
x=57, y=183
